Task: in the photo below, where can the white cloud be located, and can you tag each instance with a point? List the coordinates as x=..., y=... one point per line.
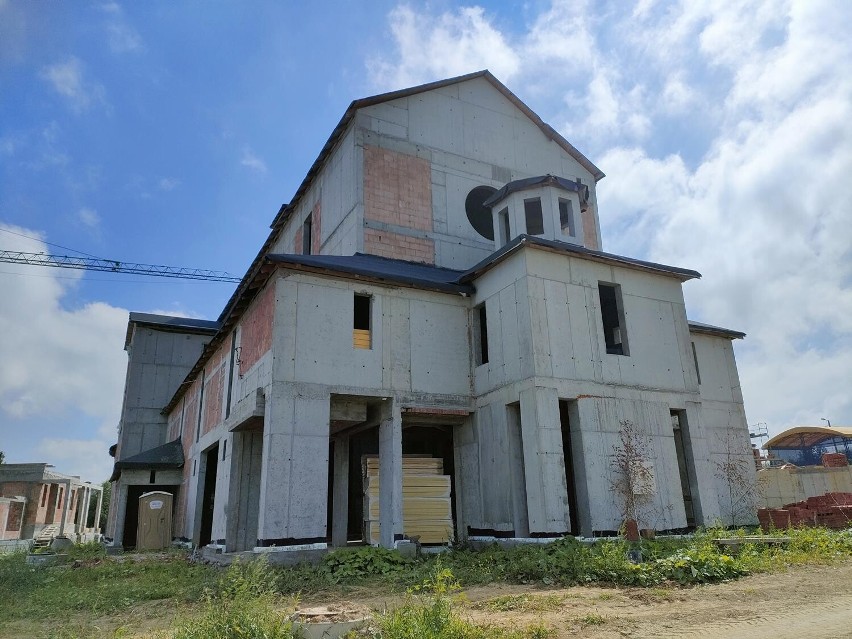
x=123, y=38
x=728, y=148
x=89, y=217
x=67, y=80
x=62, y=368
x=168, y=184
x=432, y=47
x=252, y=161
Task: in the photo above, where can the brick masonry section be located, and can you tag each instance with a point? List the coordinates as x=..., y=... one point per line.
x=397, y=246
x=397, y=189
x=256, y=328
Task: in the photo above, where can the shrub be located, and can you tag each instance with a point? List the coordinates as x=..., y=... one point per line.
x=347, y=565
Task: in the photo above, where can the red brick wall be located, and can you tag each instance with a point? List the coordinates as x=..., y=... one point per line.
x=256, y=328
x=397, y=246
x=297, y=242
x=398, y=191
x=214, y=387
x=15, y=520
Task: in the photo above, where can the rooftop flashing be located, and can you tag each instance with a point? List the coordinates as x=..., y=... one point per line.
x=580, y=251
x=537, y=182
x=718, y=331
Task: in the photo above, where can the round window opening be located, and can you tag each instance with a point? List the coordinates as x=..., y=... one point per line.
x=479, y=215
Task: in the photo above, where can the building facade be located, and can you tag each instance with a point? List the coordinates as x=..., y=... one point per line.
x=436, y=288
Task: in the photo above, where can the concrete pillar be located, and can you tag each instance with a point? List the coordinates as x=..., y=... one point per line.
x=98, y=510
x=544, y=463
x=702, y=479
x=340, y=494
x=390, y=475
x=294, y=482
x=66, y=506
x=119, y=494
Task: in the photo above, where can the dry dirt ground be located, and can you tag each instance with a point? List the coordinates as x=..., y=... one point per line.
x=810, y=601
x=813, y=601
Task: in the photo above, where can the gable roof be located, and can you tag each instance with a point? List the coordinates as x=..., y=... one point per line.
x=549, y=132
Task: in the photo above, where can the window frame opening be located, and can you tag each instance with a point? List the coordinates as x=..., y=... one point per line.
x=612, y=319
x=695, y=360
x=566, y=217
x=530, y=205
x=307, y=232
x=504, y=226
x=480, y=334
x=362, y=321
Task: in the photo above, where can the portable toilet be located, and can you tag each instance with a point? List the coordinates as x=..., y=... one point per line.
x=154, y=531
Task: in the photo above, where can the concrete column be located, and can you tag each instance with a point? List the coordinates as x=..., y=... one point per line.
x=340, y=502
x=544, y=463
x=390, y=475
x=294, y=482
x=66, y=506
x=98, y=510
x=119, y=494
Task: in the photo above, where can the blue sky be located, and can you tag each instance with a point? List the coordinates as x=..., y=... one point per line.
x=171, y=133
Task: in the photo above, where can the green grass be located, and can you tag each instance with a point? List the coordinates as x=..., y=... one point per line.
x=91, y=585
x=97, y=586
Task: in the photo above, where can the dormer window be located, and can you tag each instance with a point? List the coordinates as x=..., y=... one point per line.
x=547, y=206
x=534, y=217
x=566, y=218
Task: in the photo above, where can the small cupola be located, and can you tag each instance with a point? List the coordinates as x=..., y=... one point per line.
x=547, y=206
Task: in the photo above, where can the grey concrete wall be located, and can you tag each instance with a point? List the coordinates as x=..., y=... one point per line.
x=420, y=339
x=158, y=361
x=725, y=429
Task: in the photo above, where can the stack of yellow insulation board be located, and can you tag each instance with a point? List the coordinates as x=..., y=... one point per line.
x=426, y=508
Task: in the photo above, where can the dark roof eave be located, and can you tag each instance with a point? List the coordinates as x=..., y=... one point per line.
x=716, y=331
x=169, y=323
x=293, y=262
x=532, y=241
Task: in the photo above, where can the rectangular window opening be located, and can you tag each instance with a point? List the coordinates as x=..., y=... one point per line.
x=307, y=228
x=695, y=359
x=481, y=335
x=361, y=333
x=44, y=492
x=535, y=219
x=566, y=218
x=505, y=229
x=612, y=315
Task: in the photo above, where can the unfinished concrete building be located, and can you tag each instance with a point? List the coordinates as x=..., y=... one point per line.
x=436, y=289
x=36, y=502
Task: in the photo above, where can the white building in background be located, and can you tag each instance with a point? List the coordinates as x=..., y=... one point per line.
x=436, y=287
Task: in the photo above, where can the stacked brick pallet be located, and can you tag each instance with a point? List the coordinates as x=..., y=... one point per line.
x=832, y=510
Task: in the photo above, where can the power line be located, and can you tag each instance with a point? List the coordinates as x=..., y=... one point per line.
x=114, y=266
x=64, y=248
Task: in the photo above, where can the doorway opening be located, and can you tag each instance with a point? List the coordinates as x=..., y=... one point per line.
x=684, y=462
x=568, y=455
x=208, y=468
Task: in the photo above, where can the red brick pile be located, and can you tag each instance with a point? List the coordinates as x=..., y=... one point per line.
x=832, y=510
x=834, y=460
